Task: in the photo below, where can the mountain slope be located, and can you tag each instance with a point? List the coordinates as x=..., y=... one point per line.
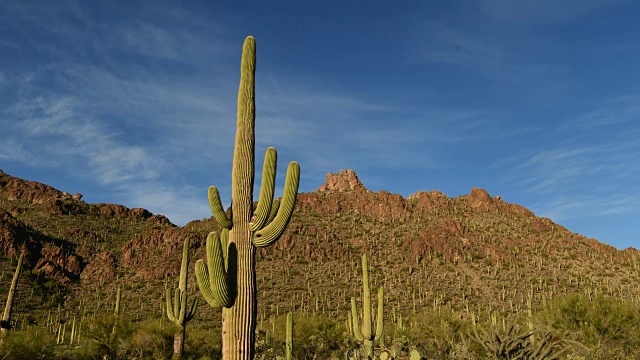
x=471, y=252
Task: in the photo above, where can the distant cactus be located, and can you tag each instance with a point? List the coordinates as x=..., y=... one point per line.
x=366, y=333
x=116, y=308
x=228, y=279
x=289, y=337
x=116, y=315
x=5, y=322
x=177, y=312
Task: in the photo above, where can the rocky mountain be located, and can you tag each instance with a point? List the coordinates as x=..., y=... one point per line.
x=471, y=251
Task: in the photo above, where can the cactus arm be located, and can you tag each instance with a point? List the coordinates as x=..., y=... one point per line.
x=183, y=307
x=184, y=266
x=216, y=208
x=212, y=280
x=177, y=302
x=354, y=322
x=270, y=233
x=366, y=296
x=274, y=210
x=224, y=244
x=263, y=211
x=379, y=322
x=170, y=313
x=192, y=311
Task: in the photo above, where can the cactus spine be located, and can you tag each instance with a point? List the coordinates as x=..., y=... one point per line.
x=366, y=333
x=177, y=312
x=5, y=323
x=228, y=279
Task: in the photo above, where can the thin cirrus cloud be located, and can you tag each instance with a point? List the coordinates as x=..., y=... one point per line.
x=136, y=104
x=581, y=177
x=61, y=134
x=132, y=127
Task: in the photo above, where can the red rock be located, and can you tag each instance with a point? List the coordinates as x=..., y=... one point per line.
x=345, y=180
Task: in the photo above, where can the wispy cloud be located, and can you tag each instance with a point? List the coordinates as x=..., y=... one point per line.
x=581, y=173
x=614, y=111
x=60, y=130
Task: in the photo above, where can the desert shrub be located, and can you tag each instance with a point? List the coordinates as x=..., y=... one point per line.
x=205, y=344
x=513, y=339
x=318, y=336
x=315, y=336
x=604, y=352
x=603, y=321
x=436, y=333
x=110, y=339
x=31, y=344
x=153, y=339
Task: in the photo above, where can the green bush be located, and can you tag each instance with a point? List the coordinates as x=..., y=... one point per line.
x=314, y=336
x=203, y=344
x=31, y=344
x=603, y=321
x=436, y=333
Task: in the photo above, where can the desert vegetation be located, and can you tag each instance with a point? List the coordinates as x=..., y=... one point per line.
x=471, y=277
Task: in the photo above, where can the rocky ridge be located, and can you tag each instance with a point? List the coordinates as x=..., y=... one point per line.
x=91, y=246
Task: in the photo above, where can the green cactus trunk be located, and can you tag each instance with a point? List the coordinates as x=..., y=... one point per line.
x=239, y=321
x=4, y=324
x=229, y=278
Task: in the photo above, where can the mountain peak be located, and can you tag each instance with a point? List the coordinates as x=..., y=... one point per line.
x=343, y=181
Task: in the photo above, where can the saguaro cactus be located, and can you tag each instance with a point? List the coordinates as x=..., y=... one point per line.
x=177, y=312
x=289, y=337
x=228, y=280
x=116, y=315
x=5, y=322
x=366, y=333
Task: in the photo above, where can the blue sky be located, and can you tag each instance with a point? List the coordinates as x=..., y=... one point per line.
x=134, y=102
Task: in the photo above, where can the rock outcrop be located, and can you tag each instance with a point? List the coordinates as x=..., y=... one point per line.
x=345, y=180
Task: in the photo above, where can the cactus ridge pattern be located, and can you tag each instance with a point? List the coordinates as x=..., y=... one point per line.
x=228, y=278
x=366, y=333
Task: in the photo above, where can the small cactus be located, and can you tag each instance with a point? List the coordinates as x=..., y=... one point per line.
x=177, y=312
x=289, y=336
x=116, y=315
x=366, y=333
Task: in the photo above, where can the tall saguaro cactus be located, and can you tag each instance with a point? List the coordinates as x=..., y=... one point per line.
x=228, y=279
x=5, y=322
x=366, y=333
x=177, y=312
